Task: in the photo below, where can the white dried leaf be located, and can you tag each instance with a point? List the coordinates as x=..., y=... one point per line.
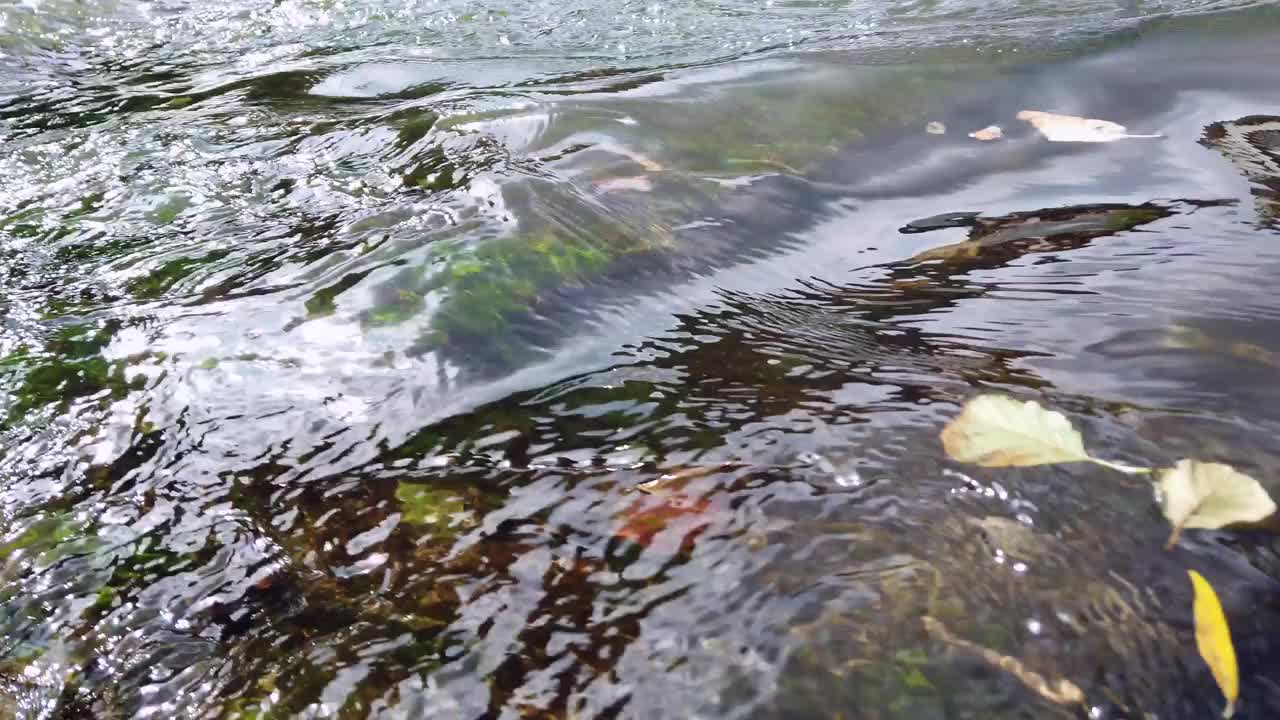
x=1056, y=127
x=997, y=431
x=637, y=183
x=1196, y=494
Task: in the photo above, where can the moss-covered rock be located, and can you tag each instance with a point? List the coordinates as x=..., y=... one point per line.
x=70, y=366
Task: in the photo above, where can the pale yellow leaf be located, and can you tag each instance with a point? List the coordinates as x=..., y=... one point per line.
x=637, y=183
x=644, y=162
x=997, y=431
x=1213, y=639
x=935, y=128
x=1070, y=128
x=1059, y=691
x=1196, y=494
x=988, y=133
x=647, y=164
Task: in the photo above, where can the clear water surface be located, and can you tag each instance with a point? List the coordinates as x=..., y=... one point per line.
x=531, y=359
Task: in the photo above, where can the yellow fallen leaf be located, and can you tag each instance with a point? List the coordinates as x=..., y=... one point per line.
x=1070, y=128
x=1213, y=639
x=1196, y=494
x=988, y=133
x=1060, y=691
x=935, y=128
x=997, y=431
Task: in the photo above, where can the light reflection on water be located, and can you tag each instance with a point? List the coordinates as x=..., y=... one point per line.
x=420, y=360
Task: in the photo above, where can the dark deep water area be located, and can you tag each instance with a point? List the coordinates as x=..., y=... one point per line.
x=444, y=359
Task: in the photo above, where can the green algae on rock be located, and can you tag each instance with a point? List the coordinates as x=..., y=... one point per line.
x=69, y=367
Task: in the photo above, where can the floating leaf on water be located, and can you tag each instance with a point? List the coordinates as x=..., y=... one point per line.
x=1070, y=128
x=997, y=431
x=637, y=183
x=1213, y=639
x=988, y=133
x=1196, y=494
x=935, y=128
x=1060, y=691
x=649, y=165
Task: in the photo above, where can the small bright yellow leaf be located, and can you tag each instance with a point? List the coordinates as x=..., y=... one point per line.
x=1213, y=638
x=996, y=431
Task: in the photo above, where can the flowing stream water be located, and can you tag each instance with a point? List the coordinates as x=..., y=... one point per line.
x=531, y=359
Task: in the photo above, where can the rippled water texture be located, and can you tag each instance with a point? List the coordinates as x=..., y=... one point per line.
x=587, y=360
